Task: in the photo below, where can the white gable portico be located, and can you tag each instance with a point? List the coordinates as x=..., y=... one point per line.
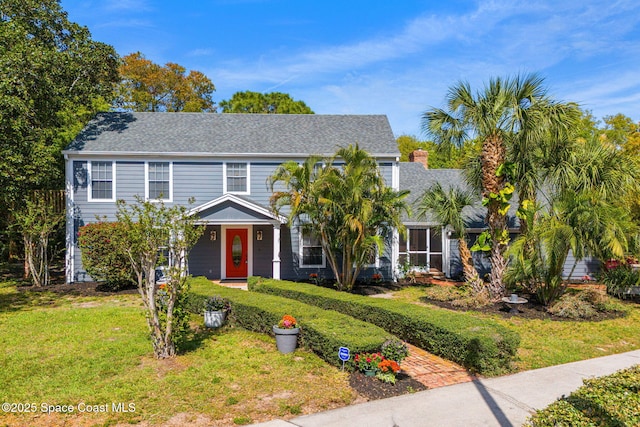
x=241, y=227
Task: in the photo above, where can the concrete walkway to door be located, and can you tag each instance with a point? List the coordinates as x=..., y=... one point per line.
x=237, y=284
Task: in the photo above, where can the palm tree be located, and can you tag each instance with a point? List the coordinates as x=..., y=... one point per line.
x=447, y=206
x=586, y=214
x=506, y=111
x=348, y=206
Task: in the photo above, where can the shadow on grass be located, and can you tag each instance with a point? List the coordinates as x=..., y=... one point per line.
x=196, y=338
x=596, y=412
x=23, y=300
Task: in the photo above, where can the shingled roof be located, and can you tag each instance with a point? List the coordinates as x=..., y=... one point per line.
x=206, y=133
x=415, y=178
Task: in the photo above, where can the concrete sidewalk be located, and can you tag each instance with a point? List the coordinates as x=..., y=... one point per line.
x=502, y=401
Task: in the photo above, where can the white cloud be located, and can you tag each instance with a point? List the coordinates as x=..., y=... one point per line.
x=201, y=52
x=127, y=5
x=405, y=73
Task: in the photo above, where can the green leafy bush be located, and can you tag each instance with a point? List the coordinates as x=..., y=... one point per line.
x=478, y=344
x=613, y=400
x=394, y=350
x=322, y=331
x=619, y=279
x=101, y=257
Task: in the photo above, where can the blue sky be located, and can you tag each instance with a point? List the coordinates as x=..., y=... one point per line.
x=380, y=57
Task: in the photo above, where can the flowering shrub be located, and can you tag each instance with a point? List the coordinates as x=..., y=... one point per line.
x=313, y=278
x=611, y=264
x=287, y=322
x=368, y=361
x=394, y=349
x=376, y=278
x=388, y=369
x=389, y=366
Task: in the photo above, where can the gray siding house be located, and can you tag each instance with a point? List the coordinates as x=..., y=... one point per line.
x=222, y=162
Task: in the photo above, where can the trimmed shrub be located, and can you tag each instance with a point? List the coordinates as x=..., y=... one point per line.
x=478, y=344
x=322, y=331
x=100, y=256
x=613, y=400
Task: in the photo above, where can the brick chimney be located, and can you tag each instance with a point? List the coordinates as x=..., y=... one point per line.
x=420, y=156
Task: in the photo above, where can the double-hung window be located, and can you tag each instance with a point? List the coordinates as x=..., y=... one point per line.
x=159, y=181
x=237, y=178
x=101, y=181
x=311, y=254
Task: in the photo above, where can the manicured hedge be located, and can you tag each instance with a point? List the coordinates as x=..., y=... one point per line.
x=613, y=400
x=322, y=331
x=478, y=344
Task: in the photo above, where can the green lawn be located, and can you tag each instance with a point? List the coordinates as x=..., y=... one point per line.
x=65, y=350
x=70, y=350
x=547, y=342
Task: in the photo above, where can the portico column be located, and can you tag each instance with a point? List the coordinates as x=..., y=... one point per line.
x=276, y=251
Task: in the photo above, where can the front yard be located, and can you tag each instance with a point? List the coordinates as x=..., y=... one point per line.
x=91, y=353
x=545, y=342
x=90, y=356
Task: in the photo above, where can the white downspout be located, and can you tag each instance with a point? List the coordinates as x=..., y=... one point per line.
x=70, y=226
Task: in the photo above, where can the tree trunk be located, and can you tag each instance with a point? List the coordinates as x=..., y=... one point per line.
x=493, y=155
x=471, y=275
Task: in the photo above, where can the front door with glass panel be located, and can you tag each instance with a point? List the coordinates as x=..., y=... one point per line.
x=236, y=253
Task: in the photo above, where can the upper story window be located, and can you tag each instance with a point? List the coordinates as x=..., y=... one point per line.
x=102, y=181
x=159, y=183
x=236, y=179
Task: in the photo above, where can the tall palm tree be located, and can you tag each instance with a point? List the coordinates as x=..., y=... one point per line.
x=447, y=206
x=346, y=203
x=500, y=113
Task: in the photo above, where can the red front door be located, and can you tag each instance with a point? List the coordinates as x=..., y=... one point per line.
x=237, y=265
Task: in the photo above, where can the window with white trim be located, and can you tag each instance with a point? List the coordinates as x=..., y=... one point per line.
x=422, y=248
x=159, y=180
x=101, y=180
x=237, y=178
x=311, y=254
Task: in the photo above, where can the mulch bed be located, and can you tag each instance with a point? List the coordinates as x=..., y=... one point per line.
x=372, y=388
x=79, y=289
x=530, y=310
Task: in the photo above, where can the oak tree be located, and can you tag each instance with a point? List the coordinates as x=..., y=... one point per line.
x=147, y=86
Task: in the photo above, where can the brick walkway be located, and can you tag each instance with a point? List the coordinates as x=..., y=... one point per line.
x=433, y=371
x=430, y=370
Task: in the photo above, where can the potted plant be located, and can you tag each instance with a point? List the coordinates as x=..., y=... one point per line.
x=368, y=363
x=215, y=311
x=286, y=332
